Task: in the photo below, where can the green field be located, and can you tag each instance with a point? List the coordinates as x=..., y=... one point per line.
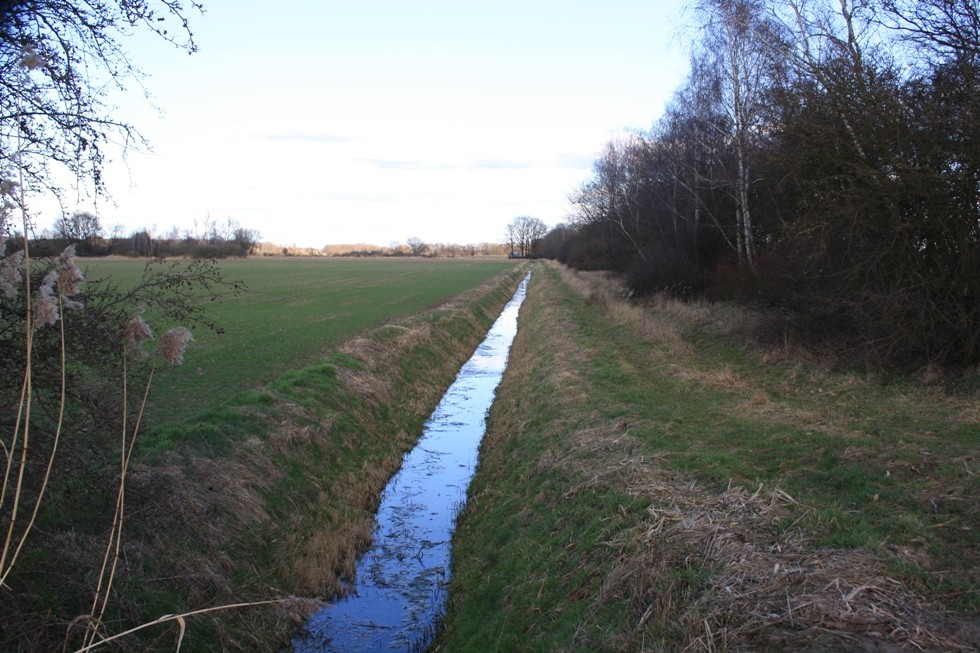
x=265, y=456
x=291, y=312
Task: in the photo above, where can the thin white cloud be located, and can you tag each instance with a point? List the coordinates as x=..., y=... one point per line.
x=359, y=197
x=305, y=137
x=393, y=164
x=478, y=165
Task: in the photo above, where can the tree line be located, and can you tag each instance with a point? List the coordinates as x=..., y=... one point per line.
x=85, y=231
x=822, y=160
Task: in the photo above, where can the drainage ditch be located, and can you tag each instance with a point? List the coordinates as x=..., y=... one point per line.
x=402, y=580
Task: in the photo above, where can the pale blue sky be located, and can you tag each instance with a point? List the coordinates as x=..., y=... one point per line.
x=321, y=122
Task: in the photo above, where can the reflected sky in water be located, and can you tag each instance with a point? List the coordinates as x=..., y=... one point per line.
x=401, y=585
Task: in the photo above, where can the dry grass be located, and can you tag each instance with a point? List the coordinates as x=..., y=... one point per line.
x=971, y=412
x=210, y=501
x=604, y=292
x=760, y=575
x=324, y=563
x=292, y=431
x=720, y=378
x=707, y=569
x=767, y=585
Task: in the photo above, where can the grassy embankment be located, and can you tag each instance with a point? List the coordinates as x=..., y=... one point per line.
x=652, y=481
x=271, y=493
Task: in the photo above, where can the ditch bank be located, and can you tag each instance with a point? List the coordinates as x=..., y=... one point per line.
x=400, y=589
x=273, y=498
x=646, y=484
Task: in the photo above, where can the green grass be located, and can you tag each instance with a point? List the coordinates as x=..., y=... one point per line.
x=829, y=438
x=882, y=468
x=291, y=312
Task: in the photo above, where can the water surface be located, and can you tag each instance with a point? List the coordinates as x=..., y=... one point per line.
x=400, y=591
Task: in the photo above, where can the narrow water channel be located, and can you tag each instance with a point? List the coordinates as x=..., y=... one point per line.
x=400, y=591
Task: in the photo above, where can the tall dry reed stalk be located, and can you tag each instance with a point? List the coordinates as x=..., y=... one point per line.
x=57, y=293
x=46, y=308
x=20, y=505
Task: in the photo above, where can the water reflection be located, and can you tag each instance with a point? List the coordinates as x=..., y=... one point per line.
x=401, y=581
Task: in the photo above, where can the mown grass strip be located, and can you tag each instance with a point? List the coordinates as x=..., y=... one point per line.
x=648, y=482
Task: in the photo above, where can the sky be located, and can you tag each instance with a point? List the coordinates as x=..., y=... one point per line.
x=322, y=122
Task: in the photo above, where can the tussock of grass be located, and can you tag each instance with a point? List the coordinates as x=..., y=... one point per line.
x=638, y=491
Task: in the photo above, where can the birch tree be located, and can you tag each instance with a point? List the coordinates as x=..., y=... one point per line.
x=736, y=40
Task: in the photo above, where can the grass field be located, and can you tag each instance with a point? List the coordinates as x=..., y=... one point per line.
x=262, y=480
x=291, y=312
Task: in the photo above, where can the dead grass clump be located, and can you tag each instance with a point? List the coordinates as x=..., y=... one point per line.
x=758, y=399
x=571, y=386
x=614, y=458
x=971, y=413
x=213, y=502
x=387, y=342
x=692, y=311
x=648, y=327
x=720, y=378
x=606, y=293
x=762, y=583
x=324, y=562
x=591, y=284
x=237, y=485
x=363, y=349
x=293, y=430
x=404, y=336
x=367, y=384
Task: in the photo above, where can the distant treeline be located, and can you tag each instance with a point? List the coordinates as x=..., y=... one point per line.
x=216, y=240
x=142, y=244
x=413, y=247
x=822, y=160
x=84, y=230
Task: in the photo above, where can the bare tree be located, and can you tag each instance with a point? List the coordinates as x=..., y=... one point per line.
x=116, y=232
x=886, y=230
x=523, y=233
x=78, y=227
x=738, y=38
x=832, y=145
x=58, y=61
x=417, y=246
x=941, y=26
x=245, y=240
